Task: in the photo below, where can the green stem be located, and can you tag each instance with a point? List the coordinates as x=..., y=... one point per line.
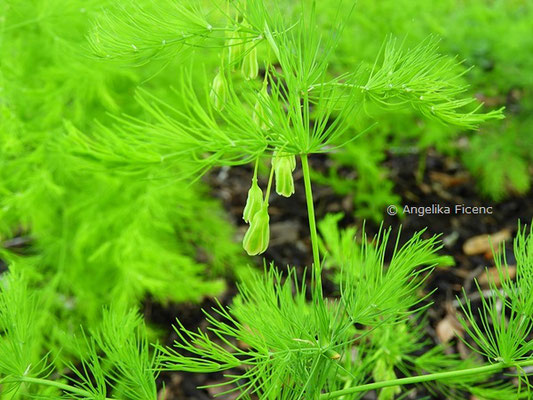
x=424, y=378
x=269, y=185
x=312, y=221
x=61, y=386
x=254, y=178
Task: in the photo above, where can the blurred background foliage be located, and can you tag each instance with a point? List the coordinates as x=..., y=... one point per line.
x=492, y=39
x=88, y=236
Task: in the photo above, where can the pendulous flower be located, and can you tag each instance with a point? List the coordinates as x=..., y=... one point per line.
x=254, y=201
x=258, y=234
x=219, y=90
x=235, y=49
x=284, y=165
x=250, y=67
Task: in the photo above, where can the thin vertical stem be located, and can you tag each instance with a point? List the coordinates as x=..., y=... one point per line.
x=312, y=222
x=269, y=185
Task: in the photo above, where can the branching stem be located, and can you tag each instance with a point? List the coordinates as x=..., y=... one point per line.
x=425, y=378
x=312, y=222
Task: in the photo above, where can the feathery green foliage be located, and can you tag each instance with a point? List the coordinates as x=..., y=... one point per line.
x=100, y=164
x=91, y=237
x=116, y=360
x=291, y=345
x=508, y=150
x=502, y=333
x=299, y=91
x=277, y=342
x=491, y=41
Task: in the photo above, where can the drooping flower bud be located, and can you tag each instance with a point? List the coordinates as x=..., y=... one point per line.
x=235, y=49
x=258, y=234
x=253, y=202
x=219, y=90
x=250, y=67
x=284, y=165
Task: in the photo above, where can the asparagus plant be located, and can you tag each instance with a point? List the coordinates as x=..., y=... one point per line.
x=274, y=98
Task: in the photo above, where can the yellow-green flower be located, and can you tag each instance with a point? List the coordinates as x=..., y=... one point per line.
x=258, y=234
x=235, y=49
x=284, y=165
x=254, y=201
x=219, y=90
x=250, y=67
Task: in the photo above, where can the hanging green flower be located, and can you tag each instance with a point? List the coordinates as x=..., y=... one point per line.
x=219, y=90
x=235, y=49
x=284, y=165
x=253, y=202
x=250, y=67
x=258, y=234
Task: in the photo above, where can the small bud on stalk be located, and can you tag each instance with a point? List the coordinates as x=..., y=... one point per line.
x=332, y=354
x=235, y=49
x=254, y=201
x=284, y=165
x=258, y=234
x=219, y=90
x=250, y=67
